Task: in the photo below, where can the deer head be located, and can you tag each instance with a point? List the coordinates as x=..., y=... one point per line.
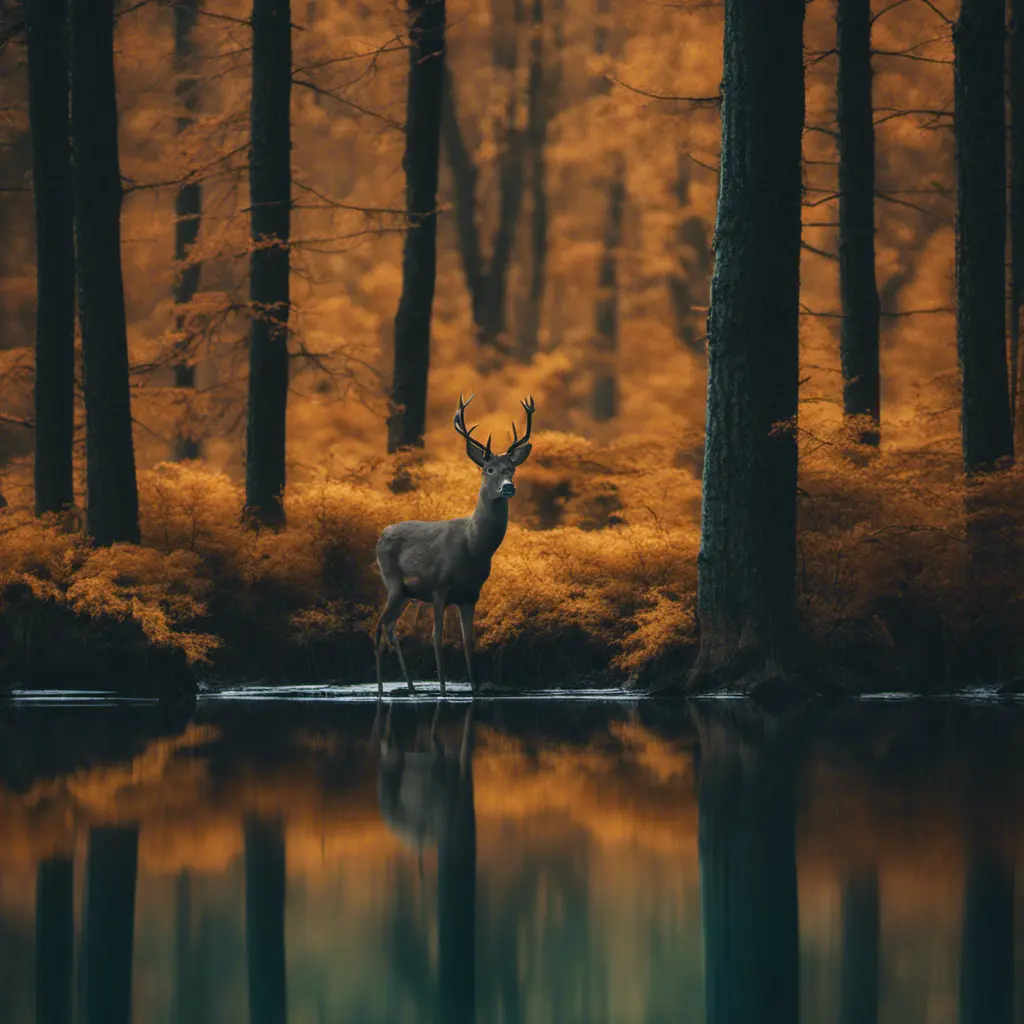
x=497, y=470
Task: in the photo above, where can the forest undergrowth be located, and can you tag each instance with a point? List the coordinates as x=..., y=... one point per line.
x=906, y=574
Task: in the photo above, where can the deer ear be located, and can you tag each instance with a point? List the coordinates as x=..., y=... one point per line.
x=474, y=453
x=520, y=455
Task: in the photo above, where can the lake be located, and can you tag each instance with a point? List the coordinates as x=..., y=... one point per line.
x=544, y=860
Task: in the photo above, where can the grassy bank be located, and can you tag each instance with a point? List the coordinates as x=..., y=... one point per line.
x=906, y=575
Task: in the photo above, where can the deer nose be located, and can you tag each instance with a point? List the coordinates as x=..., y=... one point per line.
x=508, y=489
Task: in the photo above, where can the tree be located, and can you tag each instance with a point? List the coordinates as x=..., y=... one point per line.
x=747, y=563
x=419, y=261
x=110, y=923
x=270, y=186
x=113, y=500
x=49, y=112
x=605, y=398
x=1016, y=203
x=188, y=202
x=859, y=329
x=978, y=41
x=264, y=921
x=55, y=939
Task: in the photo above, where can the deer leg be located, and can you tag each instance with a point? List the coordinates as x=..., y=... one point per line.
x=434, y=743
x=467, y=737
x=439, y=600
x=388, y=619
x=466, y=622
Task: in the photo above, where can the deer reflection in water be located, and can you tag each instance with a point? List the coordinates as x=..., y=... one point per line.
x=426, y=798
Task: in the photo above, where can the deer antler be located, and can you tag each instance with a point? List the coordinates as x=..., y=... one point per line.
x=517, y=441
x=472, y=444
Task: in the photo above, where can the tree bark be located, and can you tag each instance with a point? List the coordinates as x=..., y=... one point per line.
x=270, y=186
x=605, y=397
x=859, y=330
x=1016, y=206
x=747, y=848
x=112, y=495
x=979, y=131
x=49, y=83
x=419, y=261
x=747, y=563
x=55, y=939
x=110, y=924
x=986, y=962
x=188, y=206
x=858, y=988
x=264, y=921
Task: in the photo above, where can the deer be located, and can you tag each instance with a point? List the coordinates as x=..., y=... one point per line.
x=448, y=562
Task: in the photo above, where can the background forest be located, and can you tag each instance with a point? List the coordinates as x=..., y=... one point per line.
x=579, y=174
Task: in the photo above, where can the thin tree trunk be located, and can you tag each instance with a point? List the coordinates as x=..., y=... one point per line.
x=605, y=398
x=110, y=924
x=270, y=186
x=747, y=846
x=858, y=990
x=419, y=261
x=264, y=921
x=979, y=129
x=49, y=82
x=113, y=500
x=688, y=285
x=188, y=206
x=55, y=939
x=859, y=330
x=986, y=959
x=1016, y=206
x=746, y=591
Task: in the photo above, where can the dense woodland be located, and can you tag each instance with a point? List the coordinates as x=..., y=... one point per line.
x=767, y=298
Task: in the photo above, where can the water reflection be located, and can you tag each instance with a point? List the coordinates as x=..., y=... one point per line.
x=531, y=864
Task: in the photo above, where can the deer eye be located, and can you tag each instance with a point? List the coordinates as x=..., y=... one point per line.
x=490, y=470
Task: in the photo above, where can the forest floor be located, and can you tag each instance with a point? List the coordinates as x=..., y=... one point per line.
x=907, y=578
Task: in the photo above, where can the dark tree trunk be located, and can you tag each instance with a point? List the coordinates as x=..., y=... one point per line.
x=1016, y=204
x=986, y=959
x=456, y=899
x=746, y=591
x=113, y=500
x=55, y=939
x=419, y=261
x=747, y=846
x=188, y=206
x=264, y=921
x=858, y=992
x=49, y=82
x=859, y=332
x=110, y=924
x=270, y=187
x=978, y=40
x=605, y=398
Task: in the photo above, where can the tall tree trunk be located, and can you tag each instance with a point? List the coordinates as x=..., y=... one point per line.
x=978, y=40
x=746, y=590
x=264, y=921
x=986, y=959
x=419, y=261
x=49, y=82
x=270, y=188
x=113, y=500
x=747, y=846
x=605, y=398
x=188, y=206
x=110, y=924
x=1016, y=207
x=859, y=331
x=55, y=939
x=858, y=989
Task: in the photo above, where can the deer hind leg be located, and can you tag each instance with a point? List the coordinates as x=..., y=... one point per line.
x=386, y=625
x=466, y=623
x=439, y=603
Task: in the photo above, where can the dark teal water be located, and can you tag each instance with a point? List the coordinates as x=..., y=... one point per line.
x=261, y=860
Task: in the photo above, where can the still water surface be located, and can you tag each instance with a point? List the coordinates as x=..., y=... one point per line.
x=544, y=861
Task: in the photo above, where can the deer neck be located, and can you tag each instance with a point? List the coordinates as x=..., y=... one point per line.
x=488, y=523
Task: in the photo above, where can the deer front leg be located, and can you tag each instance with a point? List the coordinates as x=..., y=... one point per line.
x=439, y=603
x=466, y=623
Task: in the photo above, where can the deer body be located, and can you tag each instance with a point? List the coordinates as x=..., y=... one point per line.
x=448, y=562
